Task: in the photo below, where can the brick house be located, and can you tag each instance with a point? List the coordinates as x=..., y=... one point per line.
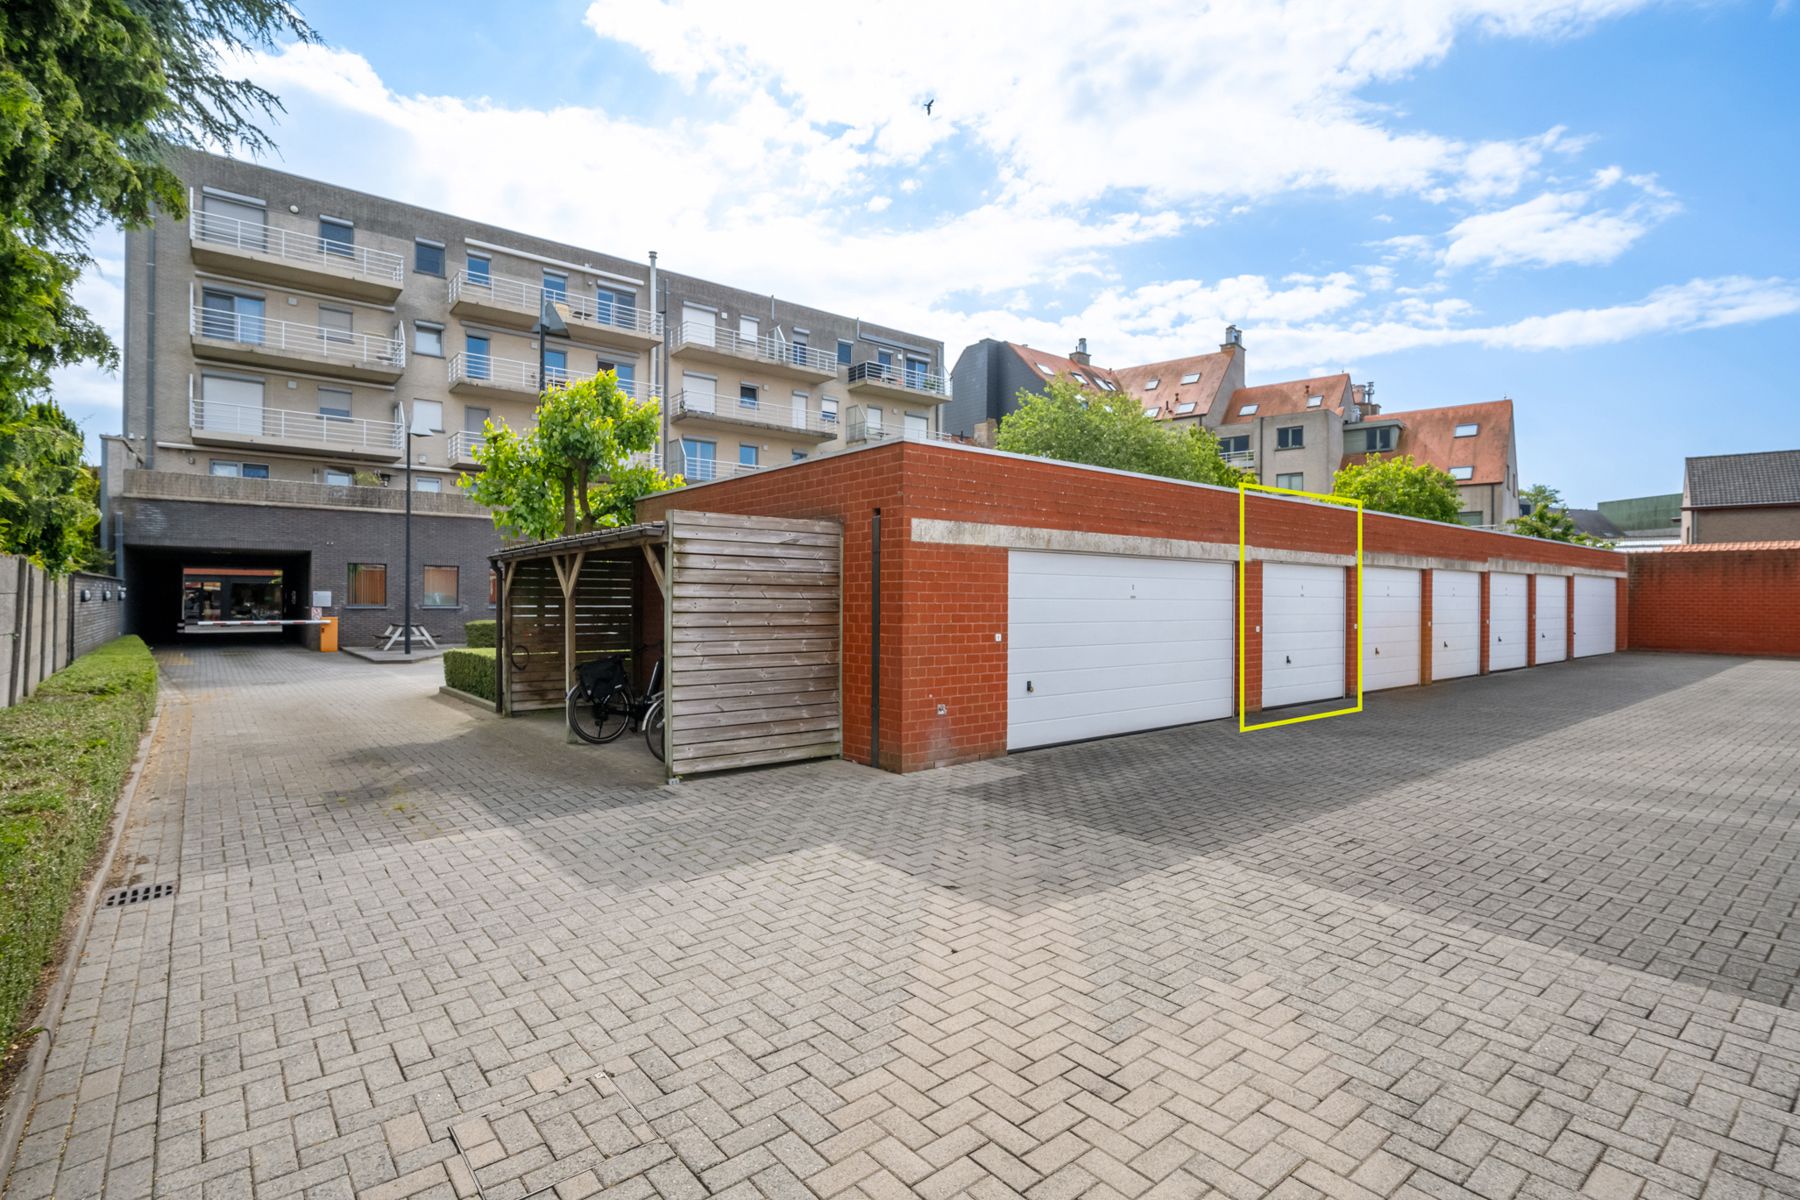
x=1741, y=498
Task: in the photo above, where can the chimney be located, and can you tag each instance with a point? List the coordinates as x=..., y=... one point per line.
x=1234, y=338
x=1080, y=353
x=1366, y=402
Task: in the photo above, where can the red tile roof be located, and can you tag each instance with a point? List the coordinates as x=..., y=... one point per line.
x=1277, y=399
x=1429, y=435
x=1060, y=365
x=1707, y=547
x=1166, y=395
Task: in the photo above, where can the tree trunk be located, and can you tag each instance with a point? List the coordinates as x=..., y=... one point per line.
x=587, y=509
x=568, y=482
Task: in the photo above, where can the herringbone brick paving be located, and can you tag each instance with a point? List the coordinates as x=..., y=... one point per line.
x=1531, y=935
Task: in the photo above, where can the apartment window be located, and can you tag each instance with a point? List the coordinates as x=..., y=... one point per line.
x=798, y=346
x=802, y=402
x=1151, y=385
x=440, y=587
x=1467, y=430
x=915, y=373
x=828, y=409
x=1248, y=410
x=1472, y=516
x=334, y=402
x=475, y=419
x=428, y=257
x=335, y=325
x=1462, y=473
x=230, y=404
x=556, y=285
x=845, y=349
x=799, y=456
x=747, y=329
x=231, y=317
x=428, y=416
x=236, y=221
x=747, y=456
x=1314, y=401
x=428, y=339
x=699, y=459
x=556, y=366
x=427, y=483
x=872, y=421
x=884, y=359
x=1184, y=408
x=338, y=477
x=747, y=395
x=476, y=364
x=481, y=270
x=336, y=237
x=1377, y=439
x=1237, y=444
x=1294, y=481
x=368, y=586
x=614, y=307
x=237, y=470
x=626, y=371
x=1290, y=437
x=1191, y=377
x=918, y=425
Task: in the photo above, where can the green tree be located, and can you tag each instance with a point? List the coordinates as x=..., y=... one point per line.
x=1400, y=485
x=571, y=472
x=48, y=508
x=1109, y=429
x=1546, y=517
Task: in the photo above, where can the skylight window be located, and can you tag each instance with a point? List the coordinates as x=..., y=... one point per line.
x=1467, y=430
x=1185, y=408
x=1191, y=377
x=1045, y=370
x=1152, y=411
x=1462, y=472
x=1108, y=385
x=1151, y=386
x=1248, y=410
x=1314, y=401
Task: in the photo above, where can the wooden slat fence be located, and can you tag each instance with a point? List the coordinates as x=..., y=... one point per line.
x=603, y=601
x=753, y=642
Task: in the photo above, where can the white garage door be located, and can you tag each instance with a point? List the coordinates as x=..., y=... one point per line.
x=1595, y=615
x=1303, y=634
x=1455, y=624
x=1390, y=613
x=1552, y=617
x=1103, y=644
x=1508, y=621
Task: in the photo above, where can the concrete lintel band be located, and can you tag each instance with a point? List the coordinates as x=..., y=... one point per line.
x=1521, y=566
x=1079, y=541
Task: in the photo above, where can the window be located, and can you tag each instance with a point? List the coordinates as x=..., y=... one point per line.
x=427, y=483
x=476, y=364
x=256, y=470
x=1462, y=472
x=428, y=339
x=1152, y=411
x=1191, y=377
x=336, y=237
x=1377, y=439
x=428, y=257
x=1314, y=401
x=746, y=455
x=844, y=351
x=828, y=408
x=1294, y=480
x=747, y=329
x=1290, y=437
x=1471, y=516
x=1045, y=370
x=698, y=459
x=368, y=586
x=334, y=402
x=1151, y=386
x=335, y=325
x=915, y=372
x=872, y=422
x=230, y=404
x=556, y=366
x=338, y=477
x=918, y=425
x=614, y=307
x=236, y=470
x=885, y=360
x=1467, y=430
x=626, y=372
x=474, y=419
x=798, y=346
x=1184, y=408
x=238, y=221
x=440, y=587
x=231, y=317
x=428, y=415
x=481, y=270
x=1238, y=444
x=799, y=456
x=1248, y=410
x=747, y=395
x=556, y=285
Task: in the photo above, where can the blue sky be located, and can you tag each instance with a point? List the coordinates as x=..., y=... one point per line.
x=1586, y=205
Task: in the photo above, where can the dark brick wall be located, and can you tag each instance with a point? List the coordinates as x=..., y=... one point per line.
x=332, y=539
x=97, y=611
x=985, y=386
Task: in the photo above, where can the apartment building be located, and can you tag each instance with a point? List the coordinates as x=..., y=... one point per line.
x=295, y=351
x=1295, y=434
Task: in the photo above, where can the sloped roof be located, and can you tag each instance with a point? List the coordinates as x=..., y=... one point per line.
x=1169, y=391
x=1429, y=435
x=1061, y=365
x=1277, y=399
x=1744, y=480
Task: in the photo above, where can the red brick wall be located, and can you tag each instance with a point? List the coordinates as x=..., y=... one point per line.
x=941, y=606
x=1714, y=601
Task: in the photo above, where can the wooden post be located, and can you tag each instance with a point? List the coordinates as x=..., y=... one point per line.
x=568, y=576
x=503, y=642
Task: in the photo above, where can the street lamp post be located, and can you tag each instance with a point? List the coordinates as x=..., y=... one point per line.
x=549, y=324
x=406, y=442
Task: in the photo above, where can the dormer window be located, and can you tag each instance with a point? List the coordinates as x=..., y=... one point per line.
x=1183, y=409
x=1314, y=401
x=1151, y=386
x=1191, y=377
x=1248, y=410
x=1469, y=430
x=1462, y=472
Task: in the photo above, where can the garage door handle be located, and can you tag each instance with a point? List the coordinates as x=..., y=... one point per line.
x=1288, y=659
x=1028, y=686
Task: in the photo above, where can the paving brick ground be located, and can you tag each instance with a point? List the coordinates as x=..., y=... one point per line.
x=1533, y=935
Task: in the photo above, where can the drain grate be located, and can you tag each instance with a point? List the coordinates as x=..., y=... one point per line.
x=120, y=897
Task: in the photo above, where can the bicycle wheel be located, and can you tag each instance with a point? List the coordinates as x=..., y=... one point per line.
x=598, y=721
x=653, y=729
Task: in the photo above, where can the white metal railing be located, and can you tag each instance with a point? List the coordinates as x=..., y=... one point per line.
x=527, y=297
x=289, y=425
x=463, y=444
x=290, y=245
x=731, y=408
x=859, y=428
x=705, y=470
x=518, y=375
x=768, y=348
x=907, y=377
x=1239, y=458
x=313, y=341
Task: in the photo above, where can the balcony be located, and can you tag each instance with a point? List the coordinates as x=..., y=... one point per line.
x=706, y=342
x=858, y=429
x=215, y=423
x=258, y=341
x=517, y=303
x=706, y=470
x=1244, y=460
x=510, y=378
x=289, y=256
x=782, y=418
x=462, y=447
x=874, y=381
x=288, y=493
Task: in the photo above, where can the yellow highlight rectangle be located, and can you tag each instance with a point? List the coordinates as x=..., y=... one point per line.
x=1244, y=487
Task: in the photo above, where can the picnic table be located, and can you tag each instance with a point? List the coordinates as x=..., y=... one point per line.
x=395, y=633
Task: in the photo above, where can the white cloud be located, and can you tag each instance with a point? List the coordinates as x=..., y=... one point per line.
x=1561, y=227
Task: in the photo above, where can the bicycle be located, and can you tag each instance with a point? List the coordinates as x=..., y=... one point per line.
x=603, y=705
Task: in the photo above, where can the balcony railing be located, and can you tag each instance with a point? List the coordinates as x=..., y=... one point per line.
x=463, y=444
x=291, y=426
x=1243, y=459
x=858, y=428
x=526, y=297
x=908, y=377
x=732, y=408
x=305, y=249
x=517, y=375
x=288, y=337
x=768, y=348
x=705, y=470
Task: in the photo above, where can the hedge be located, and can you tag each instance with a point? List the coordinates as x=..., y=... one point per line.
x=471, y=671
x=479, y=633
x=64, y=756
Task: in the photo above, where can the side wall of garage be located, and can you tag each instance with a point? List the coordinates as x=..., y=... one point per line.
x=932, y=672
x=1717, y=599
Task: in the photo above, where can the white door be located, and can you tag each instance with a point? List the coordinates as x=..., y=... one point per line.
x=1552, y=617
x=1104, y=644
x=699, y=325
x=1595, y=615
x=1303, y=634
x=1455, y=624
x=1390, y=632
x=230, y=405
x=1509, y=625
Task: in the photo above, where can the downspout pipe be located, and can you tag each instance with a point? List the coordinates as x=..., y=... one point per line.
x=875, y=639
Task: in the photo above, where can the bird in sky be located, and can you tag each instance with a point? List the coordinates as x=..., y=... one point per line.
x=928, y=105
